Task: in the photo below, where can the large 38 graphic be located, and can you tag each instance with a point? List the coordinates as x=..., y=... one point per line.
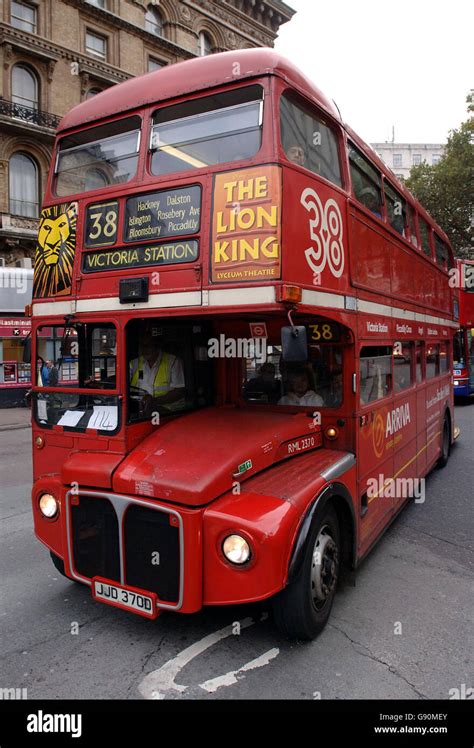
x=325, y=229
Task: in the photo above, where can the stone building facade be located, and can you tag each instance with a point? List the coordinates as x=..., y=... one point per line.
x=56, y=53
x=401, y=157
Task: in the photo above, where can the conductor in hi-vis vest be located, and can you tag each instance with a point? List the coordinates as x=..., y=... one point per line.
x=157, y=374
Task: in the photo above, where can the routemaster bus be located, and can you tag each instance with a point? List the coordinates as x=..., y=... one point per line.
x=257, y=327
x=463, y=365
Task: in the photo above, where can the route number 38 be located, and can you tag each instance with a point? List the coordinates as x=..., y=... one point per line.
x=101, y=224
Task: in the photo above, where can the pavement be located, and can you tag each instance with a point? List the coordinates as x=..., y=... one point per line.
x=14, y=418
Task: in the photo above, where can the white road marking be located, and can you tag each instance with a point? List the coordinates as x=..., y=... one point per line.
x=159, y=683
x=230, y=678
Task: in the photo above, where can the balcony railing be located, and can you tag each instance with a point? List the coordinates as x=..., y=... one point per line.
x=28, y=114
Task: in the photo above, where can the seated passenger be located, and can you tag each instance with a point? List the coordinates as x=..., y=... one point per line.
x=299, y=392
x=264, y=383
x=368, y=197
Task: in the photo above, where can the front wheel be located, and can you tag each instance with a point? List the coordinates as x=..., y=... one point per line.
x=302, y=609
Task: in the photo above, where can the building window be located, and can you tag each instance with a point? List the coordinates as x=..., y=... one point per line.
x=98, y=4
x=204, y=44
x=416, y=159
x=24, y=87
x=96, y=45
x=435, y=159
x=154, y=64
x=153, y=21
x=92, y=92
x=23, y=16
x=397, y=160
x=23, y=176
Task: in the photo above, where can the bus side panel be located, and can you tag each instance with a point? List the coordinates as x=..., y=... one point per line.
x=311, y=209
x=421, y=431
x=370, y=255
x=405, y=267
x=375, y=466
x=405, y=446
x=437, y=398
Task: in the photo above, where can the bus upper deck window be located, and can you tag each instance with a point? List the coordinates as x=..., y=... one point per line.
x=424, y=236
x=98, y=157
x=366, y=182
x=211, y=130
x=412, y=225
x=308, y=141
x=396, y=209
x=442, y=252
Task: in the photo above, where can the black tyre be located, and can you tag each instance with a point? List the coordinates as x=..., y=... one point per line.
x=445, y=444
x=302, y=609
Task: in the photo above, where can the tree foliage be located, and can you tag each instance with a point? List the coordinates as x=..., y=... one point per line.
x=446, y=189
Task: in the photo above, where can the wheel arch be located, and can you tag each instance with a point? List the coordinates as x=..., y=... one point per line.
x=338, y=496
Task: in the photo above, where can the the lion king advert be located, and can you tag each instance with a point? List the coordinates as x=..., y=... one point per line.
x=55, y=249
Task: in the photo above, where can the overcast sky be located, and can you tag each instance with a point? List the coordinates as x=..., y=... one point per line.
x=407, y=63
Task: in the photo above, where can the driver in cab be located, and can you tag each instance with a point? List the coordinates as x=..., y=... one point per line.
x=157, y=375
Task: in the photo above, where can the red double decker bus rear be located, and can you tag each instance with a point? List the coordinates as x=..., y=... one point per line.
x=249, y=327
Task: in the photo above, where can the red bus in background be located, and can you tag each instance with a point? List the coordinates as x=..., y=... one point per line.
x=463, y=366
x=261, y=323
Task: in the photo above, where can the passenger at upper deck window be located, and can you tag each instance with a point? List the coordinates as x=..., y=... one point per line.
x=296, y=153
x=368, y=198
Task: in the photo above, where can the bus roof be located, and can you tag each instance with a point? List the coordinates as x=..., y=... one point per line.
x=193, y=75
x=207, y=72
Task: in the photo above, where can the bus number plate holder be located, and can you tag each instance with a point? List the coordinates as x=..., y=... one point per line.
x=124, y=597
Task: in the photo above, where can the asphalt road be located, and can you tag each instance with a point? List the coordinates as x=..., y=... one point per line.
x=419, y=575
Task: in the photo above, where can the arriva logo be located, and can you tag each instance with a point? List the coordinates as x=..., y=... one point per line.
x=325, y=230
x=395, y=420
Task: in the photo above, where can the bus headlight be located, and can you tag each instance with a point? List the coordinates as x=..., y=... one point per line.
x=236, y=549
x=48, y=505
x=456, y=382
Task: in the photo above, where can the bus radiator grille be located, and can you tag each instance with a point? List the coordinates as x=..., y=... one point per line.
x=95, y=538
x=152, y=552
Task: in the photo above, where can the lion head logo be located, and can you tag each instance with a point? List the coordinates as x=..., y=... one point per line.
x=55, y=251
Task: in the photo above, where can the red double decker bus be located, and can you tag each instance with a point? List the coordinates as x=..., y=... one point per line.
x=463, y=366
x=252, y=325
